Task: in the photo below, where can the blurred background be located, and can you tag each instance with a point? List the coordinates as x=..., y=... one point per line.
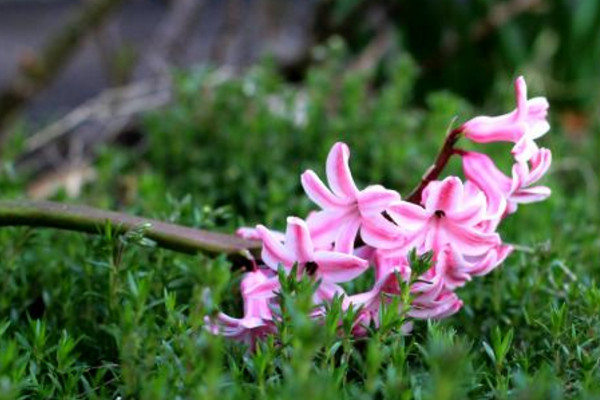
x=205, y=113
x=77, y=77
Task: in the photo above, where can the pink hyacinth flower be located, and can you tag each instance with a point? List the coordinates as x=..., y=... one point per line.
x=328, y=266
x=345, y=209
x=455, y=270
x=432, y=298
x=450, y=215
x=443, y=305
x=504, y=193
x=386, y=286
x=257, y=321
x=522, y=126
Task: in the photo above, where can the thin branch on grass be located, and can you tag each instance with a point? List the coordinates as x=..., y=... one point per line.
x=91, y=220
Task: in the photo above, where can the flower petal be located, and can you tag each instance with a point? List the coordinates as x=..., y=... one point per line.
x=317, y=191
x=469, y=241
x=540, y=163
x=338, y=267
x=338, y=172
x=326, y=292
x=524, y=149
x=263, y=289
x=344, y=242
x=481, y=170
x=324, y=226
x=378, y=232
x=408, y=215
x=531, y=195
x=443, y=195
x=375, y=199
x=273, y=251
x=298, y=241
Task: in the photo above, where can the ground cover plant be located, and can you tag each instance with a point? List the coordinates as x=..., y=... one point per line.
x=107, y=316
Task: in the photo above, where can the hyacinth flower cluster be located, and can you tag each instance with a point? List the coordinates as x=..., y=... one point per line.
x=454, y=220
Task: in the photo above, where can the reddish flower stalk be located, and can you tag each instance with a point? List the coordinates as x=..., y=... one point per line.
x=438, y=166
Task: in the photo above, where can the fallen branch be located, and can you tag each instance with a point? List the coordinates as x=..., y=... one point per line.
x=91, y=220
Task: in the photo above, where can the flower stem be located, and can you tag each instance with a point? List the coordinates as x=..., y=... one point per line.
x=438, y=166
x=91, y=220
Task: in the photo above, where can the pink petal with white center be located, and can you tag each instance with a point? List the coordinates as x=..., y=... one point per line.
x=445, y=305
x=251, y=322
x=481, y=171
x=319, y=194
x=264, y=290
x=386, y=265
x=365, y=299
x=255, y=278
x=540, y=163
x=472, y=213
x=273, y=251
x=298, y=241
x=344, y=242
x=520, y=172
x=443, y=195
x=326, y=292
x=338, y=267
x=469, y=241
x=487, y=129
x=452, y=268
x=427, y=291
x=365, y=252
x=375, y=199
x=537, y=113
x=408, y=216
x=490, y=261
x=378, y=232
x=338, y=171
x=524, y=149
x=531, y=195
x=258, y=308
x=324, y=225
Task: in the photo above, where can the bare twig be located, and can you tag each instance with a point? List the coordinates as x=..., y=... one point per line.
x=91, y=220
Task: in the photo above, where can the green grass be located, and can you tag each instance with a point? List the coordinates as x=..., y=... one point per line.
x=100, y=317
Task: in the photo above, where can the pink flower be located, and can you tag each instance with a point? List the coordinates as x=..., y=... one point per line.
x=329, y=266
x=441, y=306
x=346, y=210
x=432, y=299
x=385, y=288
x=257, y=321
x=521, y=126
x=504, y=193
x=455, y=270
x=449, y=215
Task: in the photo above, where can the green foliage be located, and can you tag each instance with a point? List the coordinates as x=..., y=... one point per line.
x=107, y=317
